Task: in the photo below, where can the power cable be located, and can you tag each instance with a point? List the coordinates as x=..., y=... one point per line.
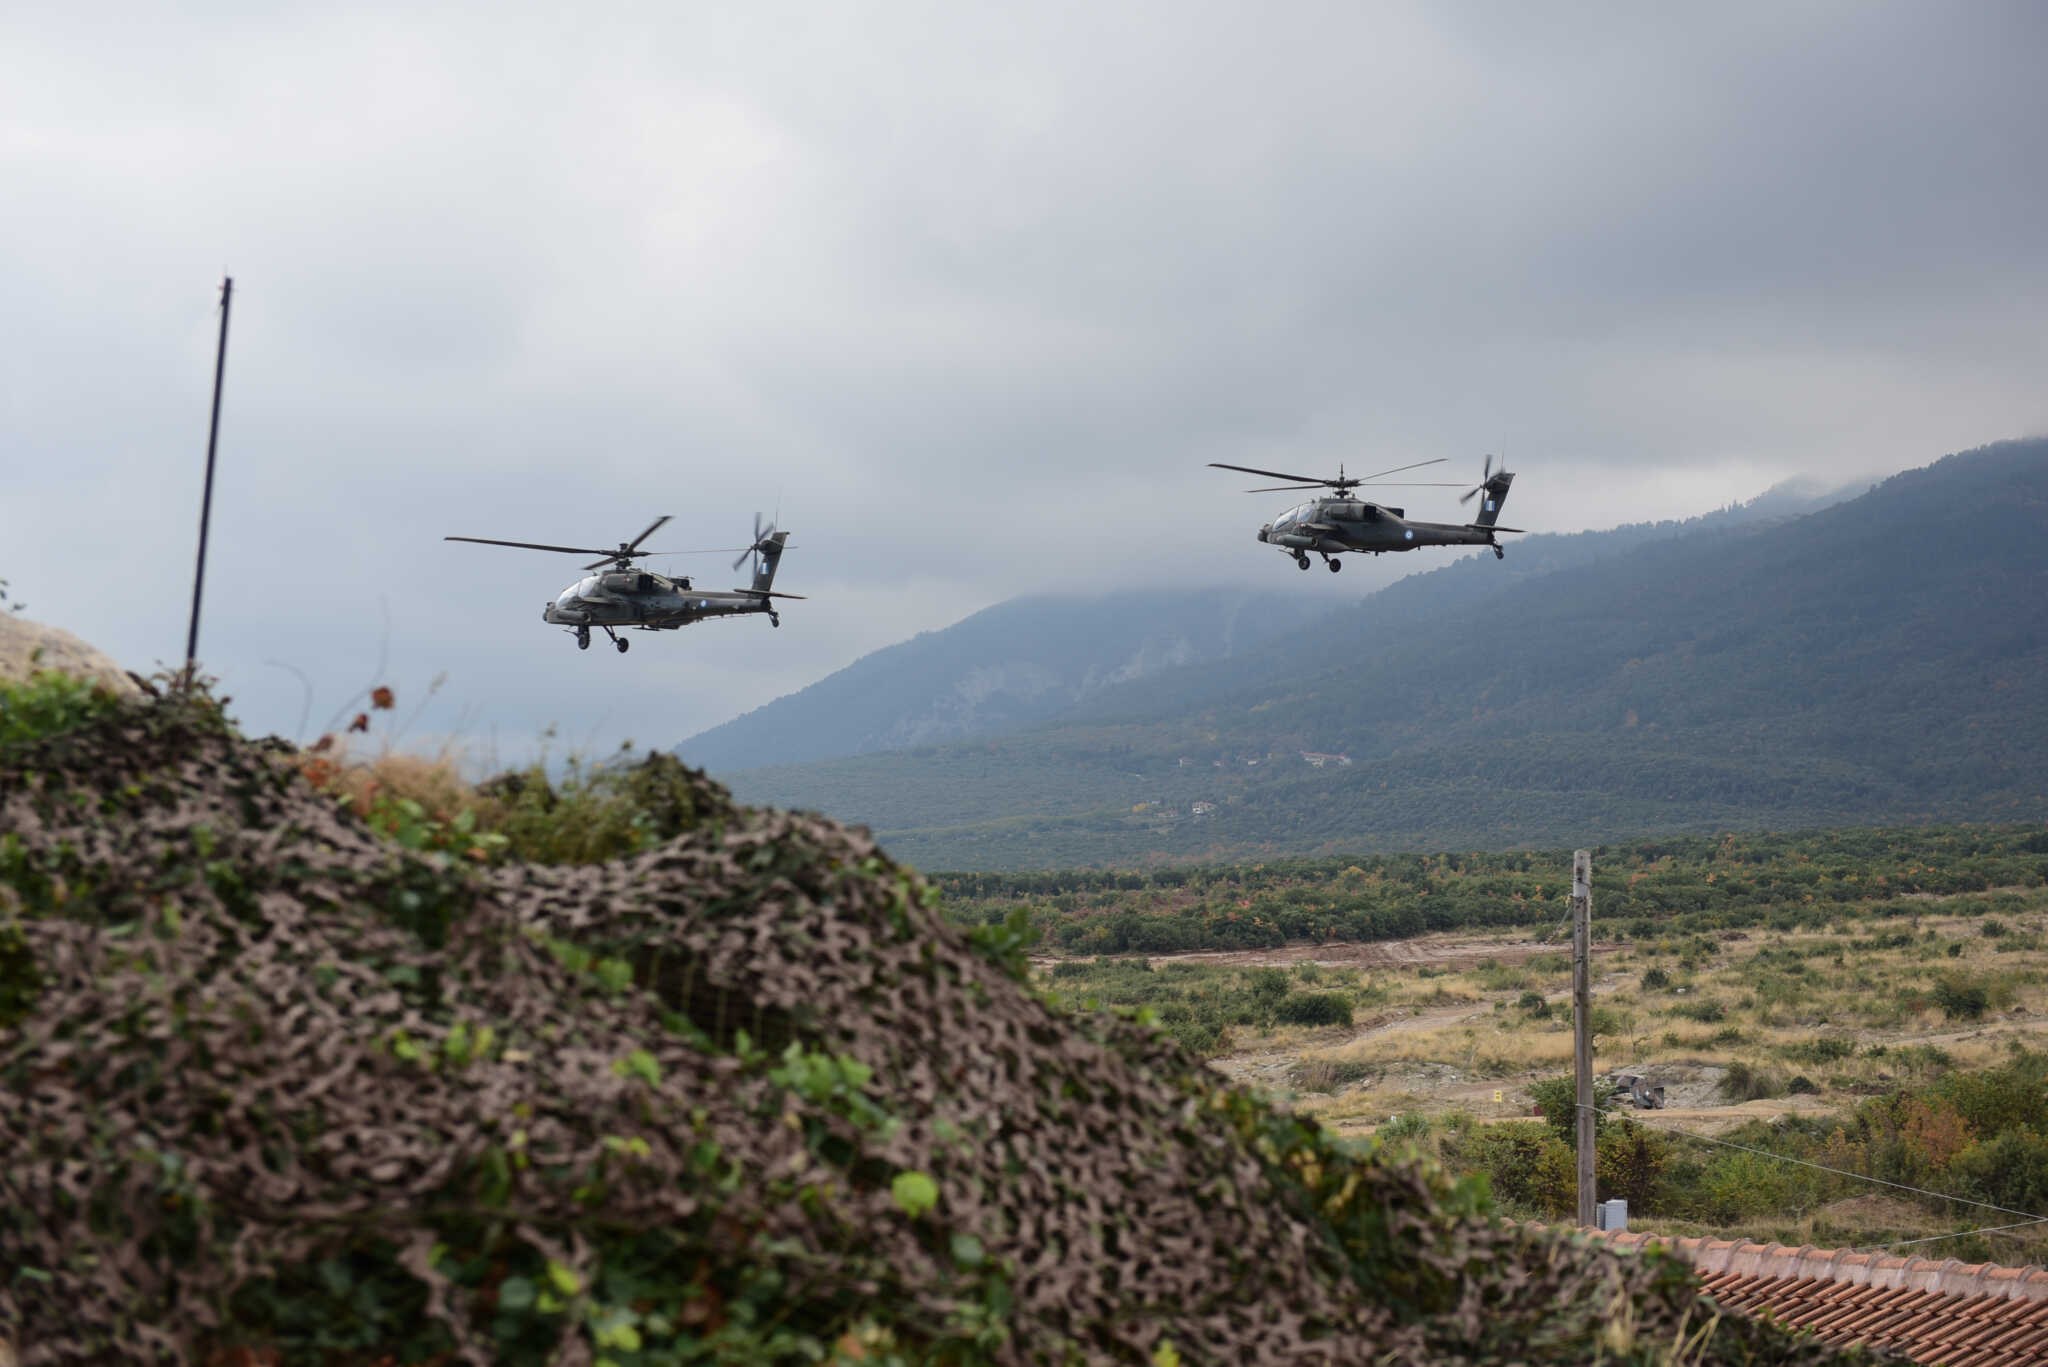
x=2026, y=1215
x=1937, y=1238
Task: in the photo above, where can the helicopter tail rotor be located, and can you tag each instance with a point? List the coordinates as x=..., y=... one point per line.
x=1485, y=477
x=763, y=534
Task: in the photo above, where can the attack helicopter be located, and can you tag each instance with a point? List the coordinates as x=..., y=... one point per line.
x=1341, y=521
x=625, y=596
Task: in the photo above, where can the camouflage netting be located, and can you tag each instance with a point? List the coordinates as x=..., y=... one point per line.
x=267, y=1082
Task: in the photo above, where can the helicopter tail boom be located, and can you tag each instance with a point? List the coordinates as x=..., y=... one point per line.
x=770, y=547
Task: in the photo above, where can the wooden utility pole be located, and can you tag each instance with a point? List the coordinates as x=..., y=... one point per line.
x=220, y=366
x=1582, y=1022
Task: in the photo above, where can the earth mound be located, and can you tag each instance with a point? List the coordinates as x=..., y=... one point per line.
x=26, y=647
x=273, y=1089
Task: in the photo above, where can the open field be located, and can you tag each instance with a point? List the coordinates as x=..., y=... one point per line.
x=1753, y=1032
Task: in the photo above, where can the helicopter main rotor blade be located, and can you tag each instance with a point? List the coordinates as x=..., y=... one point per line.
x=1277, y=488
x=652, y=527
x=1269, y=474
x=1399, y=468
x=532, y=545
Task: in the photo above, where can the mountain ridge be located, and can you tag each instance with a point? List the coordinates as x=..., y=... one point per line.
x=1019, y=662
x=1033, y=659
x=1879, y=660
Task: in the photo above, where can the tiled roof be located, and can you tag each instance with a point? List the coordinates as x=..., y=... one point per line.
x=1954, y=1313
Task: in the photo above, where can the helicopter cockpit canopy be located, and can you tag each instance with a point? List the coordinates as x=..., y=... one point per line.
x=1301, y=512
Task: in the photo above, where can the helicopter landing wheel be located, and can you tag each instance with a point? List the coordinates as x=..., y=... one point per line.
x=1301, y=562
x=774, y=620
x=622, y=643
x=1499, y=554
x=583, y=638
x=1335, y=564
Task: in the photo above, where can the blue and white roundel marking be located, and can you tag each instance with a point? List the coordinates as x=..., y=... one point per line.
x=1409, y=534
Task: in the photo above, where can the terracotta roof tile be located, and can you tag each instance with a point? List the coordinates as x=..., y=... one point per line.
x=1950, y=1312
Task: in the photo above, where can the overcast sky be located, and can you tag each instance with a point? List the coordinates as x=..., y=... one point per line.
x=969, y=293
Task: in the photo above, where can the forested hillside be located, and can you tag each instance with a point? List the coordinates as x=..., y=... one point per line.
x=1015, y=664
x=1881, y=660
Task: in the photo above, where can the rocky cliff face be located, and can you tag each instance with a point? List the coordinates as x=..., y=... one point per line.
x=26, y=647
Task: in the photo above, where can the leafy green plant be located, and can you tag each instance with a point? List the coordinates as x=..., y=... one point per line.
x=48, y=703
x=407, y=823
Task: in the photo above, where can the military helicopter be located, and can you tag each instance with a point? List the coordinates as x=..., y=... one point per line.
x=624, y=597
x=1342, y=522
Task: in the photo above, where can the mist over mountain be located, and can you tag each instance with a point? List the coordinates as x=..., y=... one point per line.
x=1012, y=665
x=1880, y=659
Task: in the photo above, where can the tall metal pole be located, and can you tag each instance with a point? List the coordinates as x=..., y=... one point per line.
x=1582, y=1022
x=220, y=366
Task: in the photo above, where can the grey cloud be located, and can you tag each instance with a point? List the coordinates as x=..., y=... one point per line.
x=972, y=295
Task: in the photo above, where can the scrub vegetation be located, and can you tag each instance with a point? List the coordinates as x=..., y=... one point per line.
x=291, y=1078
x=1869, y=1001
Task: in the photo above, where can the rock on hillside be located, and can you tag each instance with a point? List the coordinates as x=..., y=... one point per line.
x=268, y=1083
x=21, y=640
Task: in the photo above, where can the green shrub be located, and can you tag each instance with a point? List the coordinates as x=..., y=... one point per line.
x=1656, y=980
x=1706, y=1011
x=1527, y=1167
x=1407, y=1127
x=1557, y=1100
x=1820, y=1049
x=1630, y=1162
x=1268, y=986
x=2009, y=1169
x=1313, y=1008
x=1960, y=999
x=48, y=703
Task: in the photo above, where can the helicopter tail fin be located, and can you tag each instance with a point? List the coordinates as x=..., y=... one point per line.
x=771, y=556
x=1496, y=491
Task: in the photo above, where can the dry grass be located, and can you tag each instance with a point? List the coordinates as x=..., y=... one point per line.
x=1847, y=1012
x=435, y=782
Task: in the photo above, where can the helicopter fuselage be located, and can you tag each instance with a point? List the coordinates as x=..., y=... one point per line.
x=1328, y=526
x=648, y=601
